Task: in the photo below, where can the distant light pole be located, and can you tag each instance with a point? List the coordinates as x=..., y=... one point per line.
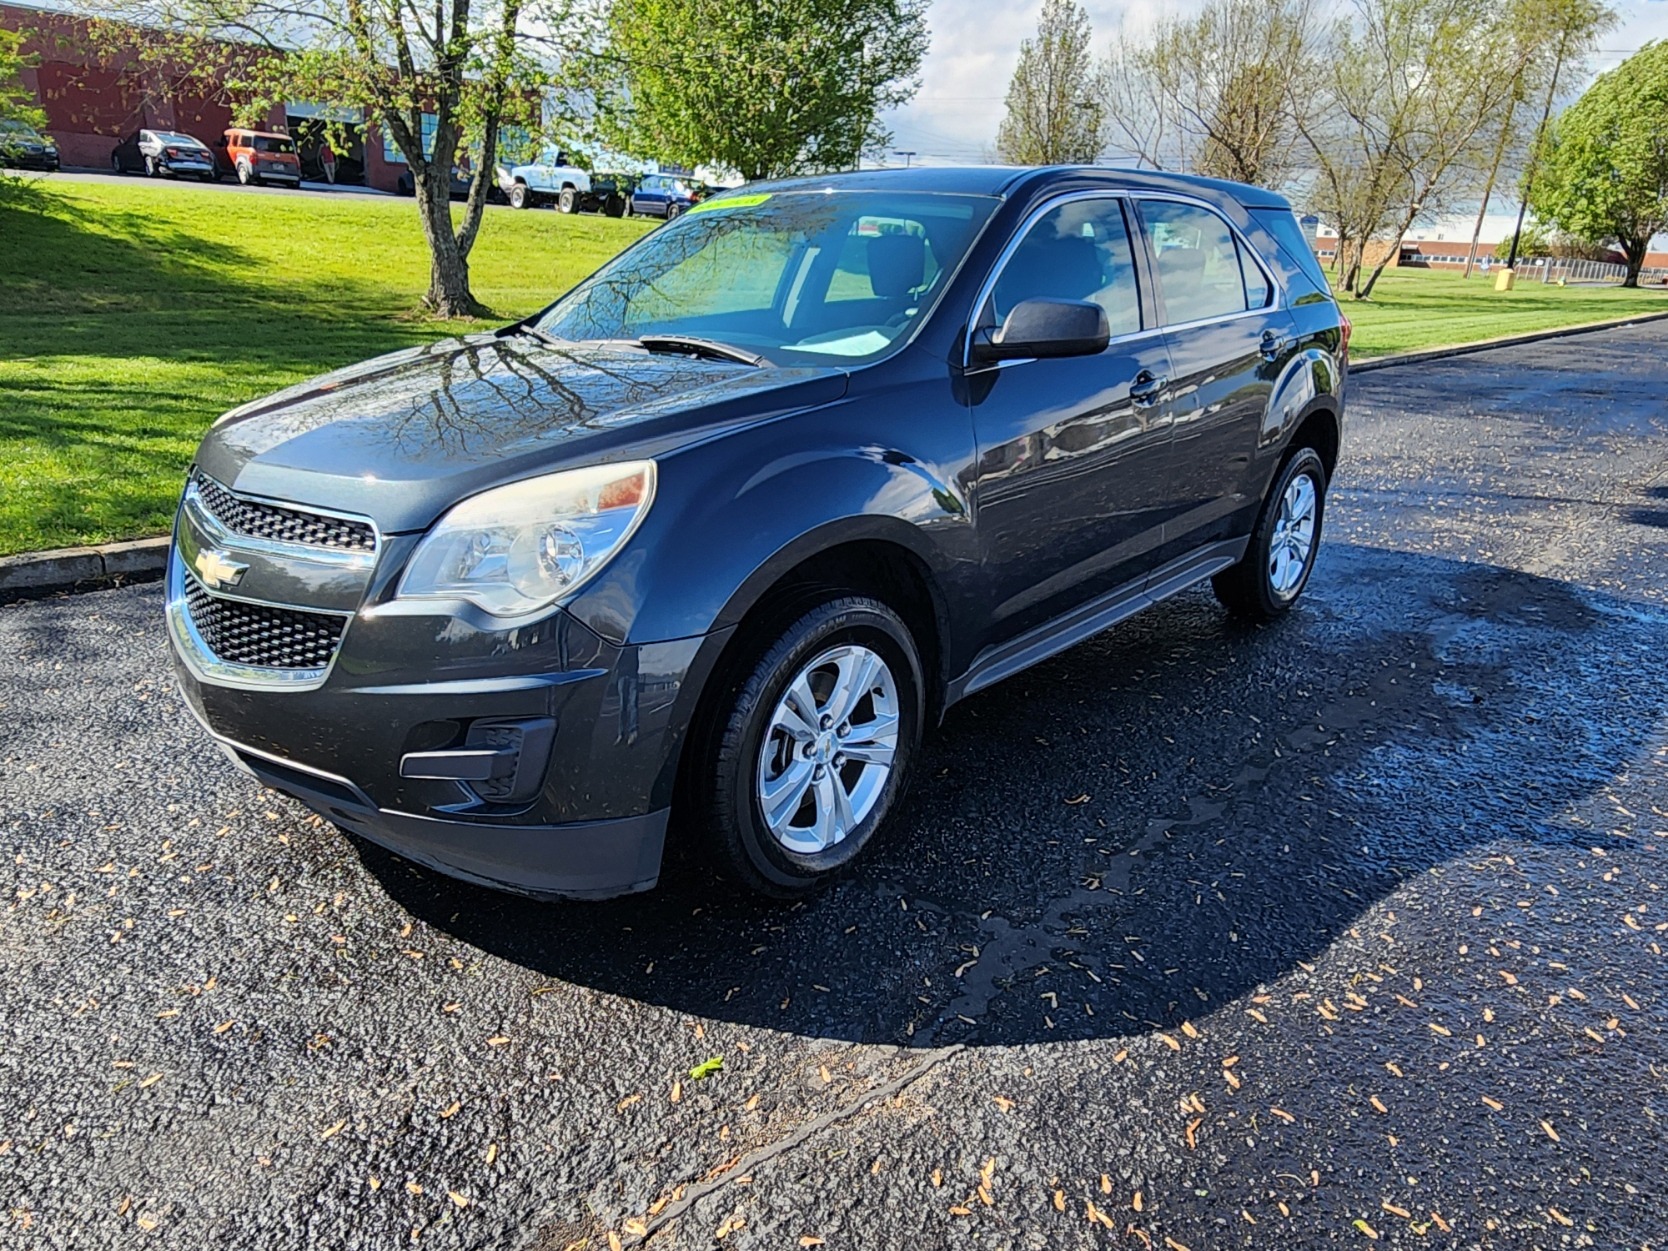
x=908, y=155
x=1535, y=152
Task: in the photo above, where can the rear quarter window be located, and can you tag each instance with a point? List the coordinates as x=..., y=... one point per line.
x=1282, y=224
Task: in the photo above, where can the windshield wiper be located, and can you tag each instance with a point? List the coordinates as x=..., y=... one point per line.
x=533, y=332
x=691, y=345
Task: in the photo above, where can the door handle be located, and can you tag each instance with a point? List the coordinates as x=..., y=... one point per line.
x=1273, y=345
x=1147, y=388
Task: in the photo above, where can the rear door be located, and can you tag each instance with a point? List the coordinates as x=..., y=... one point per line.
x=1229, y=339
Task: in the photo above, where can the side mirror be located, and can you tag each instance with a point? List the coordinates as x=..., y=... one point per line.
x=1045, y=327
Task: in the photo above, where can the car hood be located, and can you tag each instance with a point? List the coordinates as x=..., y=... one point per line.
x=403, y=437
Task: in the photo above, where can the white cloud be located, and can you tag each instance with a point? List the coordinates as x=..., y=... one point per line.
x=975, y=45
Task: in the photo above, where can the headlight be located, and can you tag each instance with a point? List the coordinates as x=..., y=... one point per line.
x=521, y=547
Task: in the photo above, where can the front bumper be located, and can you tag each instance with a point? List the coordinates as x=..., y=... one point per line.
x=581, y=860
x=596, y=729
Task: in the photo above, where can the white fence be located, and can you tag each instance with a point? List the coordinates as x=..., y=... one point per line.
x=1546, y=269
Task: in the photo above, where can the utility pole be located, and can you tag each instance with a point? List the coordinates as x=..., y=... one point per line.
x=1535, y=153
x=1493, y=173
x=908, y=155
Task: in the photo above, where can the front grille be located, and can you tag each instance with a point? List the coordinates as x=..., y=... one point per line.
x=283, y=525
x=261, y=635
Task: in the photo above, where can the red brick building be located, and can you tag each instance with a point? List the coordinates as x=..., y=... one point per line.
x=93, y=102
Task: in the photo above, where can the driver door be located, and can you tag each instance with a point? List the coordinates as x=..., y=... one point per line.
x=1070, y=490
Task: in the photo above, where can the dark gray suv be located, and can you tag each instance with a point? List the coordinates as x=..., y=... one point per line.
x=719, y=533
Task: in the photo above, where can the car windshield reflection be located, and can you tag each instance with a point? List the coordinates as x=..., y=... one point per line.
x=795, y=277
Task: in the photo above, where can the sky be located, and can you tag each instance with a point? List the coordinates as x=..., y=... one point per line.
x=975, y=45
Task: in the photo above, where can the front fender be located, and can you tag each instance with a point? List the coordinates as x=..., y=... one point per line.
x=717, y=540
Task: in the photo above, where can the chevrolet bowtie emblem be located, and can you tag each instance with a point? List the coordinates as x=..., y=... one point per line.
x=217, y=569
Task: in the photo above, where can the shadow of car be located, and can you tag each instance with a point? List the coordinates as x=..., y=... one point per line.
x=1217, y=774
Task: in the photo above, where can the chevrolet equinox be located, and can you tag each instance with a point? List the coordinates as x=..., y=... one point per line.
x=725, y=528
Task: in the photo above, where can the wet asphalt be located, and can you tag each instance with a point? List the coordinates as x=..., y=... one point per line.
x=1343, y=931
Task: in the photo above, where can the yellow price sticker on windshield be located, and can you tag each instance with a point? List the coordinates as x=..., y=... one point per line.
x=732, y=201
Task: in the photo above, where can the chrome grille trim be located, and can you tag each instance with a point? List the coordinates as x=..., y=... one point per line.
x=230, y=519
x=260, y=635
x=203, y=661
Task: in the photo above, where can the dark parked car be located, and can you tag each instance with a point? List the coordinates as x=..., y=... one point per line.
x=156, y=153
x=24, y=147
x=405, y=184
x=660, y=195
x=726, y=528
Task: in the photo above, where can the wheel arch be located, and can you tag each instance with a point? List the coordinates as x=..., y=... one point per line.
x=856, y=559
x=1319, y=425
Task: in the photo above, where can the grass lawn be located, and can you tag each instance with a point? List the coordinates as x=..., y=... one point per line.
x=1413, y=309
x=132, y=314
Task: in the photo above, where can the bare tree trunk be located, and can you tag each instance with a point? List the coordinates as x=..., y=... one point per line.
x=448, y=295
x=1634, y=250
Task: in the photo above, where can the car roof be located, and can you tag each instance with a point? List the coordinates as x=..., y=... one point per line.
x=1016, y=180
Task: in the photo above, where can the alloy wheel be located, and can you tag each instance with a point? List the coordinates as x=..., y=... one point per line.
x=828, y=749
x=1293, y=541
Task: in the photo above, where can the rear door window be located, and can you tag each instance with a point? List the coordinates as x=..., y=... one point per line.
x=1198, y=263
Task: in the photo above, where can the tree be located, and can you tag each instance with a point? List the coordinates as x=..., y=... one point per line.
x=787, y=87
x=1604, y=173
x=466, y=67
x=1216, y=93
x=17, y=102
x=1415, y=98
x=1056, y=101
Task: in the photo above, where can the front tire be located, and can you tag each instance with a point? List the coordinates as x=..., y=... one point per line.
x=1276, y=566
x=811, y=750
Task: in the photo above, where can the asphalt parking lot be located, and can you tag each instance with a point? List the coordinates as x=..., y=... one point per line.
x=1347, y=931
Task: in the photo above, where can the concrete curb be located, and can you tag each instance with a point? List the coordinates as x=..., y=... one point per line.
x=75, y=568
x=69, y=568
x=1509, y=340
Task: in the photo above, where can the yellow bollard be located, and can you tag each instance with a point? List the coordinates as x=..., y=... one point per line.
x=1505, y=280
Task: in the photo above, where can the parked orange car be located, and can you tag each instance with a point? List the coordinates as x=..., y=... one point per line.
x=260, y=156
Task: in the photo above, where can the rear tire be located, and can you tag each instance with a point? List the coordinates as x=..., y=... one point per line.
x=567, y=201
x=1284, y=546
x=854, y=659
x=150, y=167
x=520, y=197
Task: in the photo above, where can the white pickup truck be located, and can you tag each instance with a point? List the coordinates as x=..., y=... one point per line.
x=553, y=176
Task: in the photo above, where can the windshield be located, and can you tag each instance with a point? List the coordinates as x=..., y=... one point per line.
x=263, y=143
x=797, y=276
x=11, y=126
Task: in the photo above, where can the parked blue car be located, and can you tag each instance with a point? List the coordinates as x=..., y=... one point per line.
x=660, y=195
